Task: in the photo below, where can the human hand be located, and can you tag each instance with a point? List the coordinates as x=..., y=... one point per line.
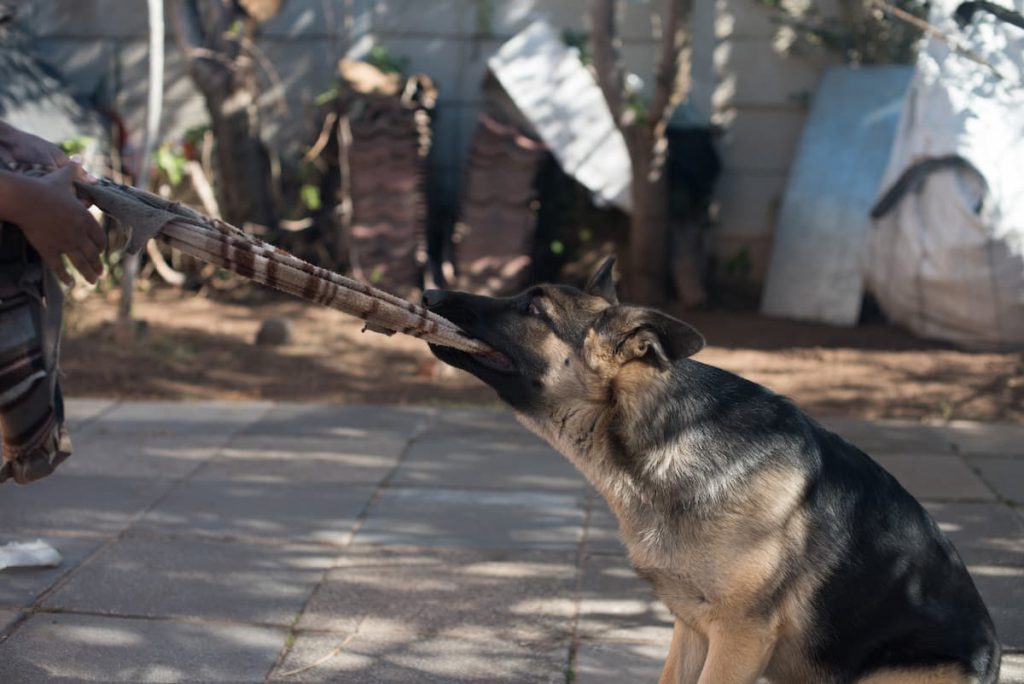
x=24, y=148
x=55, y=222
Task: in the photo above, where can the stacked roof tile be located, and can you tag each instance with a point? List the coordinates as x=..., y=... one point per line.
x=493, y=238
x=386, y=155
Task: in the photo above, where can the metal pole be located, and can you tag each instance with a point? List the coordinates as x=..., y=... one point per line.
x=154, y=105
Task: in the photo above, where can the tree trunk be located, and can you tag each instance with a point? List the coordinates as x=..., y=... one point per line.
x=647, y=274
x=648, y=259
x=211, y=33
x=241, y=160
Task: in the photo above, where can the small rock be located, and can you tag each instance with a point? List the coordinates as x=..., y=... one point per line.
x=274, y=332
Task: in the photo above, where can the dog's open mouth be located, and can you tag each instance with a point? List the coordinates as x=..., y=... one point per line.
x=495, y=360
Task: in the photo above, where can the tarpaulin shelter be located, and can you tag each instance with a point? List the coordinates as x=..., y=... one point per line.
x=946, y=255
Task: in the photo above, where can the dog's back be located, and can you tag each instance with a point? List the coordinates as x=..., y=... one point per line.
x=898, y=595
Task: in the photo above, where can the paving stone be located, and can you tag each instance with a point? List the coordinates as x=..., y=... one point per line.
x=297, y=512
x=159, y=577
x=7, y=618
x=1006, y=475
x=330, y=422
x=458, y=421
x=941, y=477
x=487, y=464
x=603, y=530
x=981, y=531
x=126, y=455
x=616, y=605
x=604, y=663
x=1012, y=670
x=285, y=458
x=1002, y=587
x=90, y=648
x=497, y=595
x=435, y=659
x=79, y=411
x=891, y=436
x=474, y=519
x=177, y=419
x=68, y=503
x=986, y=438
x=22, y=586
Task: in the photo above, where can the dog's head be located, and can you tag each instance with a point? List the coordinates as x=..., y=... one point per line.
x=557, y=343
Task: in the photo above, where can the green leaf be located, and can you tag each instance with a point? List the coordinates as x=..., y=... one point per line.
x=328, y=95
x=311, y=197
x=75, y=145
x=171, y=163
x=382, y=58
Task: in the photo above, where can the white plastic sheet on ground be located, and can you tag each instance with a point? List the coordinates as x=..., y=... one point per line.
x=563, y=101
x=937, y=265
x=33, y=554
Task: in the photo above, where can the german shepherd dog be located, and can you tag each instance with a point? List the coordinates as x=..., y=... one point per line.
x=781, y=550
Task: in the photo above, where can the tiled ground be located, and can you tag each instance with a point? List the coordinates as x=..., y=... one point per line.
x=255, y=542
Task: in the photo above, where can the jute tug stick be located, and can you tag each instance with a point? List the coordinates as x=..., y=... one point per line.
x=224, y=245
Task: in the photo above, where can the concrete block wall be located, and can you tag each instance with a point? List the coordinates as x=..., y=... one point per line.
x=739, y=80
x=760, y=101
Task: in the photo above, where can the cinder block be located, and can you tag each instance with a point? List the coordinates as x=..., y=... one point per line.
x=84, y=18
x=763, y=139
x=86, y=66
x=754, y=74
x=449, y=18
x=748, y=202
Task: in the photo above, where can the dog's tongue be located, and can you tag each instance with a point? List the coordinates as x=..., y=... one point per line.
x=495, y=359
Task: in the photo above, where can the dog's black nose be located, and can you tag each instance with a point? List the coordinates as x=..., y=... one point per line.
x=434, y=297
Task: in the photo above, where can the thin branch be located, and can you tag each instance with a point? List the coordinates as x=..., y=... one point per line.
x=958, y=46
x=188, y=31
x=250, y=47
x=191, y=39
x=325, y=137
x=604, y=43
x=670, y=84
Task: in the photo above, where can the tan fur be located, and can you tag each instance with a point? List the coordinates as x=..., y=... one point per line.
x=933, y=675
x=713, y=591
x=686, y=656
x=717, y=524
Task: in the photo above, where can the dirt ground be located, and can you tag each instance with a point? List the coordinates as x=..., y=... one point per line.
x=195, y=347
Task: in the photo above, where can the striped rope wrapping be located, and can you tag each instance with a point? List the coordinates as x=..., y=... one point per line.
x=224, y=245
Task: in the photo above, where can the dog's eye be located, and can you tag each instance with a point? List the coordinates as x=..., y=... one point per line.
x=533, y=309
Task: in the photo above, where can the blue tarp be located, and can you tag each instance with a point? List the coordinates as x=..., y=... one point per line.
x=816, y=272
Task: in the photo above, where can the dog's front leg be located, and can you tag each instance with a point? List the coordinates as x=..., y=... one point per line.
x=738, y=652
x=685, y=656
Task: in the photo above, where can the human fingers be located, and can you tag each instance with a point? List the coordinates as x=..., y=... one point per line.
x=57, y=266
x=81, y=174
x=56, y=155
x=83, y=263
x=61, y=176
x=94, y=231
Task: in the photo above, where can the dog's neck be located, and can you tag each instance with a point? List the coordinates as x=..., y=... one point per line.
x=650, y=454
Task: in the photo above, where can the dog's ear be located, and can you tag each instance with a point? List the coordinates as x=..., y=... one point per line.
x=657, y=338
x=601, y=283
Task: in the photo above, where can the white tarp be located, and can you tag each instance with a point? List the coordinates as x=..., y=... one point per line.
x=948, y=260
x=561, y=98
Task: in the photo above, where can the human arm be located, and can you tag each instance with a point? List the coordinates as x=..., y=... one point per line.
x=46, y=208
